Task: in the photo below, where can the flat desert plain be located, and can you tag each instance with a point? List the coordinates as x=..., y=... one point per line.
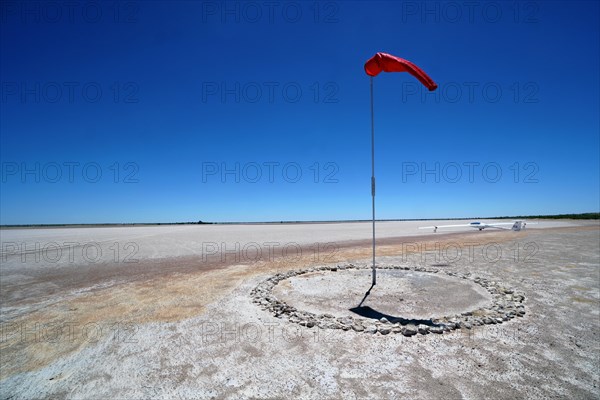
x=172, y=312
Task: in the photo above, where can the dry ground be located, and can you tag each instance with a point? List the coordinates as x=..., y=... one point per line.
x=168, y=329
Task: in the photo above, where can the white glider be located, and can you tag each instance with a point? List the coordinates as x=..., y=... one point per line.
x=516, y=225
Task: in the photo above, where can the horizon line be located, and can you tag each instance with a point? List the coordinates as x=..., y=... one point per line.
x=587, y=215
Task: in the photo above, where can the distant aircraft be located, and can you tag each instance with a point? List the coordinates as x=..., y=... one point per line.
x=516, y=225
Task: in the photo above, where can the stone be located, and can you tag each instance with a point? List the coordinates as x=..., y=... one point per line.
x=371, y=329
x=436, y=329
x=358, y=327
x=329, y=325
x=423, y=329
x=384, y=330
x=384, y=320
x=409, y=330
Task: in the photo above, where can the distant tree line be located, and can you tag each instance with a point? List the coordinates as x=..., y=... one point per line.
x=562, y=216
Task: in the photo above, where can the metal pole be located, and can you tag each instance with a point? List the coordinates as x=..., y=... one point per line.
x=373, y=178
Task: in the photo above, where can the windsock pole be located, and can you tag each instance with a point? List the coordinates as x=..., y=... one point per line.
x=373, y=179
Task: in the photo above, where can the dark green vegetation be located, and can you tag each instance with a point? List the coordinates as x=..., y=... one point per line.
x=562, y=216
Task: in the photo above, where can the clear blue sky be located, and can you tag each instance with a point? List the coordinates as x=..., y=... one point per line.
x=259, y=111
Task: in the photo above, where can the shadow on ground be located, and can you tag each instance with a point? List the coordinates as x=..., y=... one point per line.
x=368, y=312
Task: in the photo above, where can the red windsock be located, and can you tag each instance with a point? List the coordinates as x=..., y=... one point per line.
x=389, y=63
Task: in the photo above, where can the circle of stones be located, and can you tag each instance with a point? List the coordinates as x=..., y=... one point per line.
x=506, y=304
